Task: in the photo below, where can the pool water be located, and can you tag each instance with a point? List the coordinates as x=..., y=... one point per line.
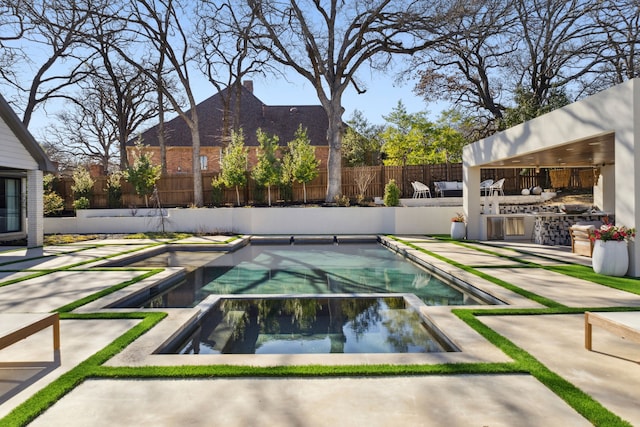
x=311, y=326
x=305, y=269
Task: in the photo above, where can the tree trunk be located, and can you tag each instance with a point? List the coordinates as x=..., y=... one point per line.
x=161, y=141
x=334, y=139
x=197, y=172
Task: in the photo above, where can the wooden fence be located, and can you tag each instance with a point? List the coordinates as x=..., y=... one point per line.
x=177, y=190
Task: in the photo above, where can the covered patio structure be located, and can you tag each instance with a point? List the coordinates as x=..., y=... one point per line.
x=600, y=131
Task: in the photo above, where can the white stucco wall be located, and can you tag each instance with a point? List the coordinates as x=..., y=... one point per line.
x=274, y=220
x=616, y=110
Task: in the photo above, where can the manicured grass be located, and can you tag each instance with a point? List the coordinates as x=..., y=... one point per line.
x=527, y=294
x=628, y=284
x=95, y=296
x=584, y=404
x=523, y=362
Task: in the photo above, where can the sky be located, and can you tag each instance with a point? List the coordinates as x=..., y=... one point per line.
x=382, y=95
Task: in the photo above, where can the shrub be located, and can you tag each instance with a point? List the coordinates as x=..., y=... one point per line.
x=391, y=193
x=53, y=203
x=217, y=194
x=82, y=183
x=342, y=201
x=81, y=203
x=114, y=190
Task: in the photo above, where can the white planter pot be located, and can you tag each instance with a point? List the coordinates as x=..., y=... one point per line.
x=610, y=258
x=458, y=230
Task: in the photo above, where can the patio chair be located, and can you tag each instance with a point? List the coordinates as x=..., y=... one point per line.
x=496, y=187
x=420, y=190
x=484, y=187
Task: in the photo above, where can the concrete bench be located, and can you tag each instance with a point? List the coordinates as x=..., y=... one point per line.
x=624, y=324
x=15, y=327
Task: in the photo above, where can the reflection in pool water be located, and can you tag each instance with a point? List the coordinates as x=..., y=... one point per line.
x=307, y=269
x=311, y=325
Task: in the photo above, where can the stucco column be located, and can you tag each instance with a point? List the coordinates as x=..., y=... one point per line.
x=35, y=209
x=471, y=200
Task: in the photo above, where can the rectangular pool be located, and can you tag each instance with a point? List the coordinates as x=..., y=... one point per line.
x=352, y=268
x=310, y=326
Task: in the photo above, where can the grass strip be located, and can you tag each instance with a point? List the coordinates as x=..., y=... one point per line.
x=627, y=284
x=41, y=400
x=303, y=371
x=584, y=404
x=27, y=277
x=527, y=294
x=97, y=295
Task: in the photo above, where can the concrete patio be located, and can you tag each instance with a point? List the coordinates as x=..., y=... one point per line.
x=59, y=275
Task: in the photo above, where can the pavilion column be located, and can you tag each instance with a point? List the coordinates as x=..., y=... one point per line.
x=471, y=201
x=35, y=209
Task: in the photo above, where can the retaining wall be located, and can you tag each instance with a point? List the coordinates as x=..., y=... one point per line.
x=273, y=220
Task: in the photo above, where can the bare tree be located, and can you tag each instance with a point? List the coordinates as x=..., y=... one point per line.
x=56, y=29
x=160, y=26
x=86, y=132
x=127, y=93
x=620, y=22
x=226, y=54
x=560, y=46
x=463, y=68
x=327, y=43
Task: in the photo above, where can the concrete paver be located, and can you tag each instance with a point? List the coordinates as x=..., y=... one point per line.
x=29, y=365
x=610, y=373
x=566, y=290
x=491, y=400
x=427, y=401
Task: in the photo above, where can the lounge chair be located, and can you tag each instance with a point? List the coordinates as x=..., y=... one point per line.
x=485, y=186
x=496, y=187
x=420, y=190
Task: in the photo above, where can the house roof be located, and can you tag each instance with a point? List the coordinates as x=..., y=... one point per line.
x=282, y=121
x=24, y=136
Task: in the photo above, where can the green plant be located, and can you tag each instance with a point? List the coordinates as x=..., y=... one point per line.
x=81, y=203
x=342, y=201
x=610, y=232
x=267, y=170
x=53, y=203
x=458, y=218
x=217, y=194
x=233, y=164
x=82, y=187
x=302, y=163
x=114, y=190
x=143, y=175
x=391, y=193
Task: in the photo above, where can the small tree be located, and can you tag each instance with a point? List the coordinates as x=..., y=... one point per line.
x=53, y=202
x=143, y=174
x=267, y=170
x=391, y=193
x=304, y=164
x=114, y=190
x=82, y=188
x=233, y=164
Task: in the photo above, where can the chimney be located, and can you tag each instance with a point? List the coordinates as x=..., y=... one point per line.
x=248, y=84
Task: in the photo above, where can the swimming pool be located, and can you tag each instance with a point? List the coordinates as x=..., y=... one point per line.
x=310, y=269
x=310, y=326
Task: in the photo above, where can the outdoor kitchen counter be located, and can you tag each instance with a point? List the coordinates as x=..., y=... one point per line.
x=553, y=228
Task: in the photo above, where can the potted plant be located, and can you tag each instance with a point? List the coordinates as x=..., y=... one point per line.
x=610, y=255
x=458, y=227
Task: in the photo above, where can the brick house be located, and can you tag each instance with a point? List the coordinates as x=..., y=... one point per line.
x=282, y=121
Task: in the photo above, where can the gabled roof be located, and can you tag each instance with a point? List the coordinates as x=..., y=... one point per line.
x=282, y=121
x=24, y=136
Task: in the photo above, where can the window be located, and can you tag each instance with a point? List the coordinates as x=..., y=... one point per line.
x=10, y=212
x=203, y=163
